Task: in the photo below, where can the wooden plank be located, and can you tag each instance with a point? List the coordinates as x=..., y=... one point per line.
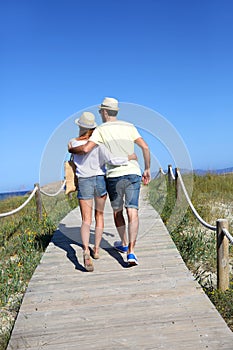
x=156, y=305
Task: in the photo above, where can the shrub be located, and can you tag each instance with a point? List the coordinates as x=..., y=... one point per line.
x=212, y=198
x=22, y=241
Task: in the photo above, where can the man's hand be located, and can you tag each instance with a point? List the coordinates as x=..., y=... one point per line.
x=146, y=177
x=83, y=149
x=132, y=156
x=146, y=155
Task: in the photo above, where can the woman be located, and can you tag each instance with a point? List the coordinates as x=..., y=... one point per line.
x=90, y=170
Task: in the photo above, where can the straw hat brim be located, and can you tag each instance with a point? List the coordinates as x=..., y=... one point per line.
x=85, y=126
x=108, y=107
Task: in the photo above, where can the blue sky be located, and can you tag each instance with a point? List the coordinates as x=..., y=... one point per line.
x=60, y=57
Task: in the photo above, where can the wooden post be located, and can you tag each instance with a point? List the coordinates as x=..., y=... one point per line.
x=169, y=174
x=38, y=202
x=222, y=256
x=177, y=184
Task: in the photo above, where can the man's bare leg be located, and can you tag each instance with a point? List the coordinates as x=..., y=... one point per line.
x=120, y=226
x=133, y=226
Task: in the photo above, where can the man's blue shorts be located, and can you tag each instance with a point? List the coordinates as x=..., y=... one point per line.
x=90, y=187
x=124, y=189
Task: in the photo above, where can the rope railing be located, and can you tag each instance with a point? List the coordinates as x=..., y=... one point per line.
x=223, y=236
x=34, y=192
x=161, y=171
x=228, y=235
x=22, y=205
x=213, y=228
x=54, y=194
x=170, y=173
x=203, y=222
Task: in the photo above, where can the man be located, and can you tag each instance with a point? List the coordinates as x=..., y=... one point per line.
x=123, y=182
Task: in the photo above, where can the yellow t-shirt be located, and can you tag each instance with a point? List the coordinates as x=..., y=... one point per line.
x=118, y=137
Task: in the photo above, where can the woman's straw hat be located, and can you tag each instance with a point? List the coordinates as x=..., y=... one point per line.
x=87, y=121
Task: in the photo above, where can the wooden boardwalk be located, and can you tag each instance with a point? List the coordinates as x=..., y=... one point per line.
x=156, y=305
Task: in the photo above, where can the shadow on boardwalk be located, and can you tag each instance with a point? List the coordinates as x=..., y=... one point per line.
x=64, y=242
x=156, y=305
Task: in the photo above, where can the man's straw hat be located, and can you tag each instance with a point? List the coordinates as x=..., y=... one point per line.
x=109, y=103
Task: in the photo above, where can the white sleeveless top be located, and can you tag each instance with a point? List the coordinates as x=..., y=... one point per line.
x=93, y=163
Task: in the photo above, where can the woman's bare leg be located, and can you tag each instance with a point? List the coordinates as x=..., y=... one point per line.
x=99, y=221
x=86, y=213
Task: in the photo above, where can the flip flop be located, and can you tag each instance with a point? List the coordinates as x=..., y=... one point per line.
x=88, y=263
x=93, y=253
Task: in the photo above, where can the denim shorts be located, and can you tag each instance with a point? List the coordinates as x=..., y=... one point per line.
x=90, y=187
x=124, y=190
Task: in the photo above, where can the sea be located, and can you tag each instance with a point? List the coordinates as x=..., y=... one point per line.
x=5, y=195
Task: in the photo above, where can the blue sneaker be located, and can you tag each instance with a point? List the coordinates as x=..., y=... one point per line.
x=118, y=246
x=132, y=259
